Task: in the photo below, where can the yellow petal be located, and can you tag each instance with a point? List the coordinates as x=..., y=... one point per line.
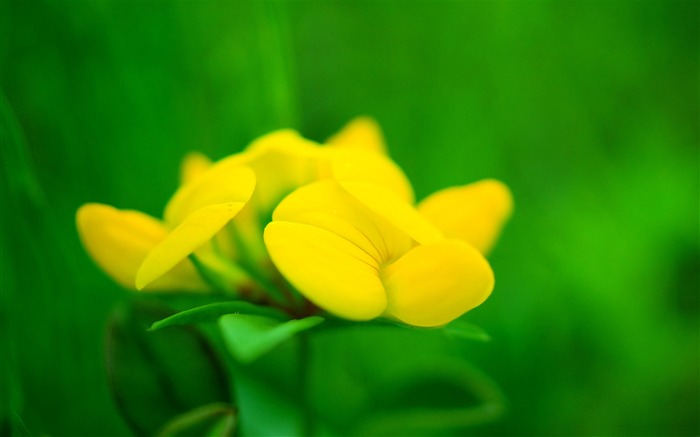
x=282, y=161
x=475, y=213
x=284, y=141
x=242, y=239
x=349, y=165
x=119, y=241
x=196, y=230
x=393, y=209
x=434, y=284
x=328, y=206
x=193, y=165
x=226, y=182
x=360, y=133
x=330, y=271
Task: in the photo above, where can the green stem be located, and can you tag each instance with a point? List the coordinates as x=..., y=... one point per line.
x=251, y=267
x=304, y=385
x=207, y=275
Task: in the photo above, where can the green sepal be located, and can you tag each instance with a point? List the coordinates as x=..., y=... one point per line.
x=458, y=329
x=247, y=337
x=211, y=312
x=466, y=331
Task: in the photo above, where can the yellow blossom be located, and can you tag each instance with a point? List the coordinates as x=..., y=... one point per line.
x=199, y=218
x=339, y=222
x=119, y=241
x=475, y=213
x=137, y=249
x=360, y=250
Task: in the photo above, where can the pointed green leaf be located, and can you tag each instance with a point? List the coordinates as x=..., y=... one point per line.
x=211, y=312
x=466, y=330
x=456, y=329
x=250, y=336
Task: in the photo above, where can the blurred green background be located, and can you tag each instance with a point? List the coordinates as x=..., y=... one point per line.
x=588, y=110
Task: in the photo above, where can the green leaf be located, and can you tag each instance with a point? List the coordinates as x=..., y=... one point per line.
x=214, y=419
x=211, y=312
x=465, y=330
x=261, y=398
x=456, y=329
x=155, y=376
x=248, y=337
x=444, y=397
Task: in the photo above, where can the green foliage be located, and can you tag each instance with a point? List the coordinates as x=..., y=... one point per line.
x=156, y=376
x=212, y=312
x=587, y=110
x=250, y=336
x=465, y=330
x=439, y=398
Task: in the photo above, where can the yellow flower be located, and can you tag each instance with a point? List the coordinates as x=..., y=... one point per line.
x=360, y=250
x=119, y=241
x=136, y=249
x=141, y=252
x=475, y=213
x=341, y=227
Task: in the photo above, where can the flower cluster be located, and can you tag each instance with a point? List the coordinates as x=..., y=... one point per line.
x=307, y=228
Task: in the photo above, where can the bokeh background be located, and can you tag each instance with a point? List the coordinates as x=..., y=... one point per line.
x=588, y=110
